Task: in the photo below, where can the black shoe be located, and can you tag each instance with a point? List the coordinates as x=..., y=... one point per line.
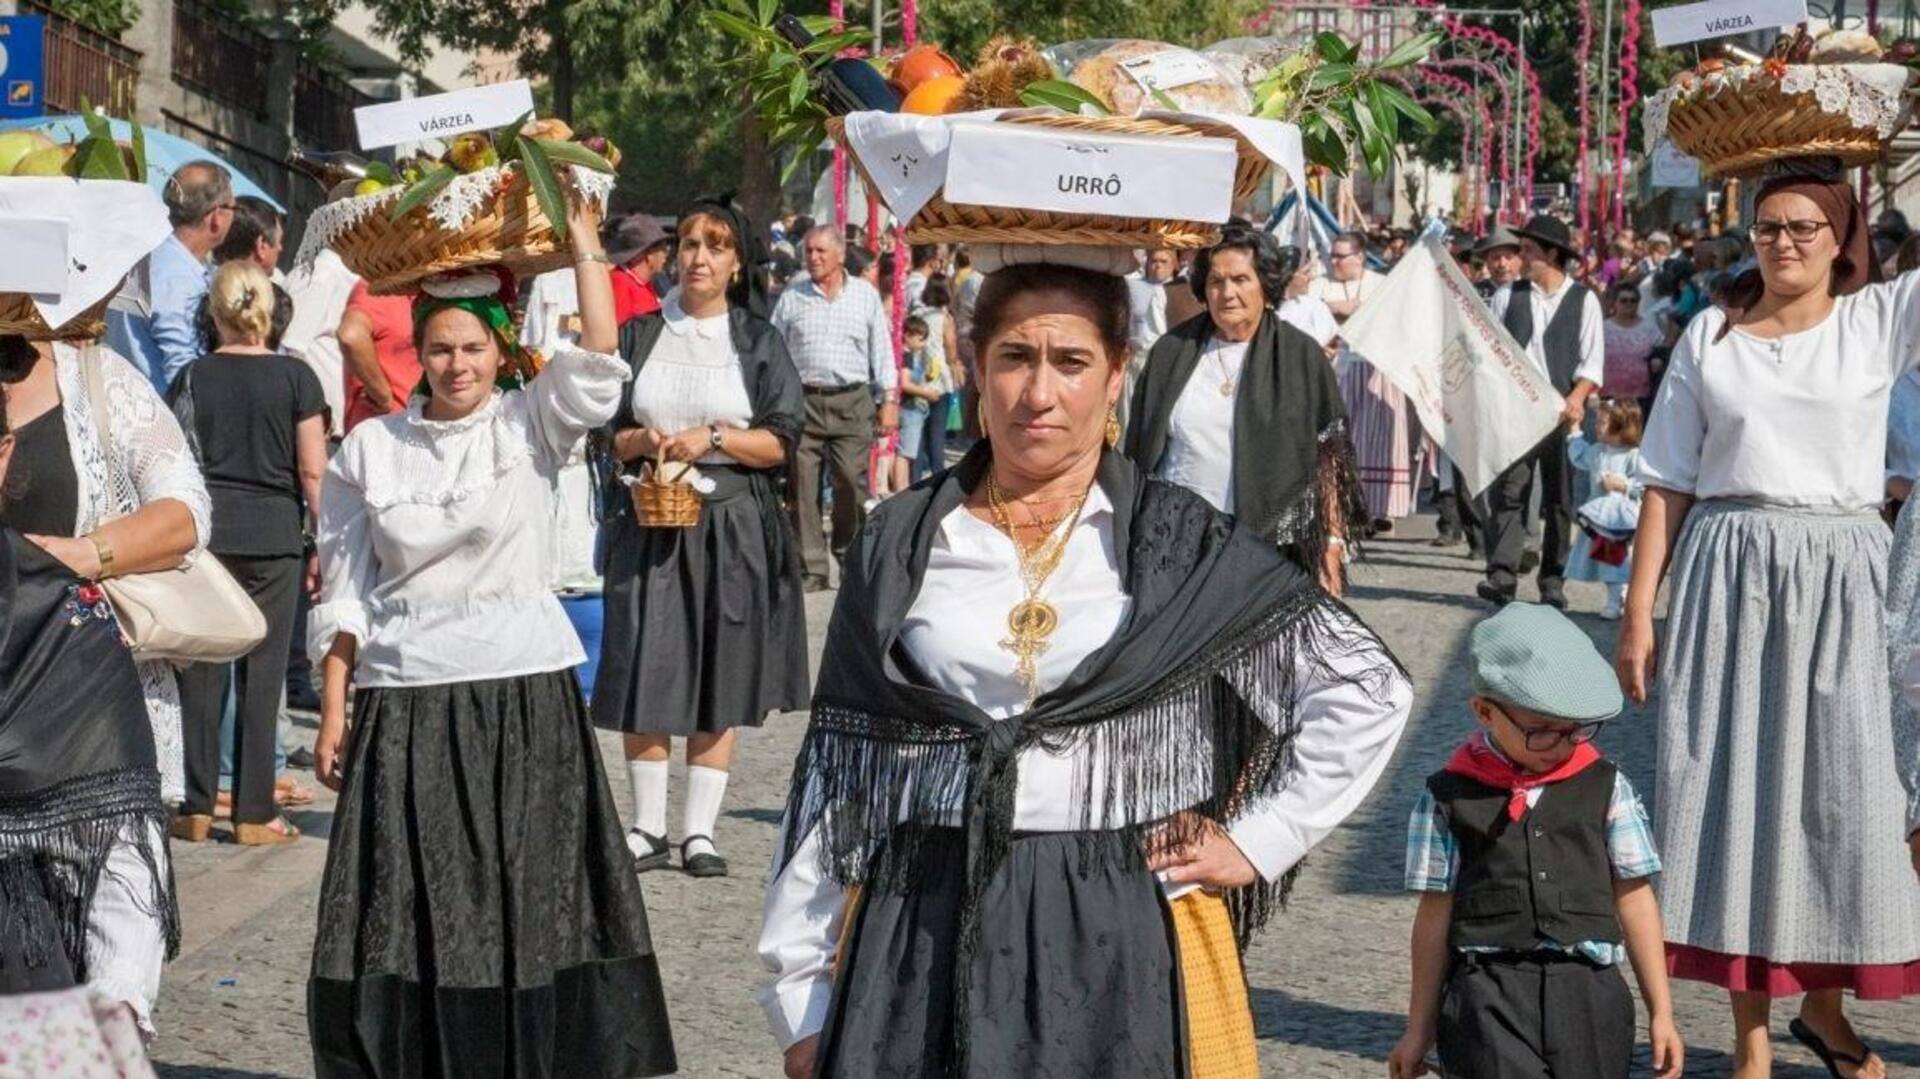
x=301, y=757
x=1493, y=593
x=1828, y=1055
x=1382, y=526
x=1445, y=540
x=702, y=864
x=817, y=584
x=1529, y=561
x=1554, y=596
x=659, y=852
x=300, y=696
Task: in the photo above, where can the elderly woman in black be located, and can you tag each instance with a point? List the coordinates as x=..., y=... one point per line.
x=705, y=626
x=1243, y=409
x=1074, y=729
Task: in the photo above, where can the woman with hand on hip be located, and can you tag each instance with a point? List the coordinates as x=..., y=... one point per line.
x=706, y=626
x=479, y=915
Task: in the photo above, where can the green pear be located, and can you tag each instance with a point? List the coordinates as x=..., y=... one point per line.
x=15, y=145
x=49, y=161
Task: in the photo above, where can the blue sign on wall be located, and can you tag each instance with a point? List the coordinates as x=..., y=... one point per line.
x=23, y=65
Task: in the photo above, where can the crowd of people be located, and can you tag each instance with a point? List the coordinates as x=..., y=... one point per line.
x=1088, y=695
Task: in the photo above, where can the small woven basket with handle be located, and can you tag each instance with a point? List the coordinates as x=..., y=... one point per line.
x=663, y=503
x=940, y=221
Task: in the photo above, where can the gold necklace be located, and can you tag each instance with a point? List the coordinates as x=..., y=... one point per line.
x=1032, y=621
x=1228, y=380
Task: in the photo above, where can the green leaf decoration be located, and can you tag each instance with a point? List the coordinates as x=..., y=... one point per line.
x=423, y=192
x=503, y=138
x=1334, y=49
x=572, y=153
x=1382, y=112
x=734, y=25
x=381, y=171
x=1330, y=75
x=1066, y=96
x=1411, y=51
x=139, y=140
x=545, y=184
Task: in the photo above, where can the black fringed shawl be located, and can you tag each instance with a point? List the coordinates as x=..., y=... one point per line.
x=78, y=776
x=1290, y=446
x=886, y=753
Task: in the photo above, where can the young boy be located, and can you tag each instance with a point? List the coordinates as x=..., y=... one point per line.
x=1532, y=855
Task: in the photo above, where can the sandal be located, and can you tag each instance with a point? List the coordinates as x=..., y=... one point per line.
x=659, y=852
x=273, y=833
x=1828, y=1055
x=287, y=791
x=191, y=827
x=702, y=864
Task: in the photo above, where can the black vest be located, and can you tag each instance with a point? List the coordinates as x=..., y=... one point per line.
x=1561, y=342
x=1545, y=875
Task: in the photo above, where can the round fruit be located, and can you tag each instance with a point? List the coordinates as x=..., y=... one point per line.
x=16, y=145
x=369, y=186
x=935, y=96
x=51, y=161
x=919, y=64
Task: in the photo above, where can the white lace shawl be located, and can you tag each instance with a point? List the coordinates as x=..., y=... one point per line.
x=150, y=462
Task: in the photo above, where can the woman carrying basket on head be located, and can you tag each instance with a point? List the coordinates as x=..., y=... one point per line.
x=706, y=629
x=479, y=914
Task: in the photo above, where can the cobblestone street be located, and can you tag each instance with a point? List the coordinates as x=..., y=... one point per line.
x=1329, y=980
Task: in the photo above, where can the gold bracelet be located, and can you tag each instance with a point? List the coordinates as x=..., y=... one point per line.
x=103, y=551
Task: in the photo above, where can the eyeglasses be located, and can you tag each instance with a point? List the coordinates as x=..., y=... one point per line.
x=1766, y=232
x=1542, y=739
x=1337, y=255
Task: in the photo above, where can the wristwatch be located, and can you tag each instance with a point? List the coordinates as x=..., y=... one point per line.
x=715, y=439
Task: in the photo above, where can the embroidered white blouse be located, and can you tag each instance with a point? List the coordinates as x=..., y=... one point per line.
x=435, y=537
x=693, y=378
x=1344, y=740
x=1798, y=420
x=1199, y=454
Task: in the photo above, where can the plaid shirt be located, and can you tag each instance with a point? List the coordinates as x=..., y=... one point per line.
x=841, y=341
x=1433, y=858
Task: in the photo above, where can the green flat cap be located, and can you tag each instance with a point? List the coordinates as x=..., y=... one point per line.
x=1534, y=657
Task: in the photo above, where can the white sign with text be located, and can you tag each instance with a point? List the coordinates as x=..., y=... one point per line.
x=442, y=116
x=1682, y=23
x=1036, y=168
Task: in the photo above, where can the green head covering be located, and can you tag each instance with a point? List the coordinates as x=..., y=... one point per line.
x=517, y=364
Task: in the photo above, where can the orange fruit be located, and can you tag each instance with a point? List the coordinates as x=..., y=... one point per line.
x=934, y=96
x=917, y=65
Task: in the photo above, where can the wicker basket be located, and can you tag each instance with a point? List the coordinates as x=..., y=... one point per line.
x=511, y=231
x=19, y=316
x=940, y=221
x=1737, y=132
x=659, y=503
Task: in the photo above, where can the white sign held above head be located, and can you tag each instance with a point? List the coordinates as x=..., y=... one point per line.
x=1682, y=23
x=36, y=254
x=442, y=116
x=1671, y=168
x=1037, y=168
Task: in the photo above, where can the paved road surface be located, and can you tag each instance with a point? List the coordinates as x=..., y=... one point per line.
x=1329, y=980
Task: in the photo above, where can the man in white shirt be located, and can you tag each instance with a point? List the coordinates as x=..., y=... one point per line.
x=1147, y=316
x=837, y=332
x=1560, y=324
x=320, y=291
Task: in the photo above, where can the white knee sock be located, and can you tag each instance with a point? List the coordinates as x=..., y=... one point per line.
x=706, y=789
x=649, y=779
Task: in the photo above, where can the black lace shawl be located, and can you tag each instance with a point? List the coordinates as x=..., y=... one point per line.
x=78, y=776
x=1293, y=469
x=887, y=756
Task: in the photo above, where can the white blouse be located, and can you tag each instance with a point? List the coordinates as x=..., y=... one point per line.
x=693, y=378
x=1199, y=454
x=1799, y=420
x=953, y=630
x=435, y=536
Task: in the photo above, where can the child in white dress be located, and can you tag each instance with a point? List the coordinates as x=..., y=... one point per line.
x=1603, y=551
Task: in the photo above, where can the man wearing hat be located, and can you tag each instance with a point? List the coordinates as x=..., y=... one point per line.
x=1559, y=323
x=1533, y=857
x=1500, y=254
x=638, y=248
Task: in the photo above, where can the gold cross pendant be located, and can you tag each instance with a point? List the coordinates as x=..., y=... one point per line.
x=1029, y=625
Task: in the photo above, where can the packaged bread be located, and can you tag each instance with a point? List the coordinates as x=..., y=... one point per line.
x=1126, y=74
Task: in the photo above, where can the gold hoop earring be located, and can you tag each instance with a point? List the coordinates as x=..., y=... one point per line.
x=1113, y=427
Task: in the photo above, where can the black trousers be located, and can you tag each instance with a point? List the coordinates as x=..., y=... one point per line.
x=1507, y=515
x=1534, y=1017
x=1460, y=515
x=258, y=679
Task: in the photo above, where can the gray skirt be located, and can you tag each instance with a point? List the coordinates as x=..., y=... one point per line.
x=1780, y=814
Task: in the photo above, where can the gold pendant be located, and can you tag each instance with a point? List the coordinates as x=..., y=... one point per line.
x=1226, y=387
x=1029, y=625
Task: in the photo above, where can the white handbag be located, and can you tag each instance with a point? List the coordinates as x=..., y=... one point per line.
x=193, y=613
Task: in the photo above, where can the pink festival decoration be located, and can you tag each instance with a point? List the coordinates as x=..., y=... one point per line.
x=838, y=9
x=1629, y=93
x=1463, y=91
x=1496, y=146
x=1583, y=169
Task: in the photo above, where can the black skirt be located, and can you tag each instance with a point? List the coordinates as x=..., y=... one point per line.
x=479, y=916
x=706, y=627
x=1076, y=972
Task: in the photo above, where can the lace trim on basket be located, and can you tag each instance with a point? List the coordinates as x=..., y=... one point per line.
x=451, y=209
x=1868, y=95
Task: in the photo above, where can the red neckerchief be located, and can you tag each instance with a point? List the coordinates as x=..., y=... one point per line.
x=1481, y=762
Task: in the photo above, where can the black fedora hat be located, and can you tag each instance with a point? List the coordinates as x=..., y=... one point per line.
x=1549, y=231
